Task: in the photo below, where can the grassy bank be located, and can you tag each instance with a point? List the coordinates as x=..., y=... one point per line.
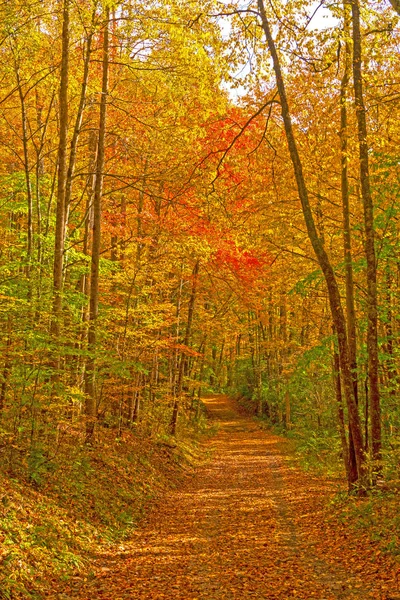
x=79, y=502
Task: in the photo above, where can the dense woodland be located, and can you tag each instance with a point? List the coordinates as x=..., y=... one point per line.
x=199, y=196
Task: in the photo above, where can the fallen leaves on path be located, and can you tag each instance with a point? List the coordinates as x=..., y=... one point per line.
x=246, y=525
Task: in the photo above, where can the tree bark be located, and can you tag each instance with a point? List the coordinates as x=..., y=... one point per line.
x=396, y=5
x=61, y=177
x=372, y=300
x=391, y=360
x=340, y=412
x=182, y=363
x=27, y=171
x=77, y=127
x=90, y=388
x=348, y=259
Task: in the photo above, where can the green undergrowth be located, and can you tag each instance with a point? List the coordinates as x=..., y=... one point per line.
x=377, y=515
x=86, y=500
x=317, y=450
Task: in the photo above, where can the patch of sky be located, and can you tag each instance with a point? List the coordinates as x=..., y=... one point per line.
x=319, y=18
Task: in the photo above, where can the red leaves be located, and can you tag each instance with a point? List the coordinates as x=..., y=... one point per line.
x=243, y=264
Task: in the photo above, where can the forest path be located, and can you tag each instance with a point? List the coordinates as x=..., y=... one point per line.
x=246, y=525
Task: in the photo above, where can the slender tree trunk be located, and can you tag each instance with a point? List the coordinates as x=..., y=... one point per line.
x=182, y=363
x=136, y=407
x=260, y=403
x=42, y=126
x=153, y=379
x=27, y=171
x=7, y=366
x=340, y=412
x=221, y=378
x=391, y=361
x=350, y=303
x=372, y=301
x=320, y=252
x=77, y=127
x=201, y=370
x=61, y=177
x=90, y=406
x=348, y=260
x=284, y=353
x=39, y=168
x=252, y=349
x=84, y=282
x=139, y=227
x=175, y=355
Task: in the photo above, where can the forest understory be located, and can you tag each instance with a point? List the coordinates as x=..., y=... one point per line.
x=247, y=523
x=237, y=518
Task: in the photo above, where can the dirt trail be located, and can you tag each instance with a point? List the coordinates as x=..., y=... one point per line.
x=244, y=526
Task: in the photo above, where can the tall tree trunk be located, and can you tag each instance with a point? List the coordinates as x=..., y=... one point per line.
x=139, y=227
x=201, y=370
x=252, y=349
x=340, y=412
x=7, y=366
x=27, y=172
x=182, y=363
x=77, y=127
x=348, y=260
x=175, y=355
x=84, y=283
x=90, y=406
x=42, y=126
x=61, y=177
x=260, y=403
x=320, y=252
x=372, y=301
x=391, y=361
x=137, y=397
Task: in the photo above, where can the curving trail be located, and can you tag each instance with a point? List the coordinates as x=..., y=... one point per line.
x=246, y=525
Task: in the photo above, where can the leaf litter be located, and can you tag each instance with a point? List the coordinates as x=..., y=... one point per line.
x=246, y=524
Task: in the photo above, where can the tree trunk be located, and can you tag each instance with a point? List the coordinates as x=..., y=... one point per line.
x=182, y=363
x=348, y=260
x=61, y=178
x=90, y=406
x=391, y=361
x=320, y=252
x=7, y=366
x=42, y=126
x=29, y=247
x=201, y=369
x=77, y=127
x=260, y=403
x=372, y=302
x=173, y=370
x=340, y=413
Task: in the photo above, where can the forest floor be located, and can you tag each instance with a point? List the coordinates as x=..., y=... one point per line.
x=247, y=524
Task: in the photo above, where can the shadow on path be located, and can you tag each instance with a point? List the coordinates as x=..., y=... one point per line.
x=232, y=532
